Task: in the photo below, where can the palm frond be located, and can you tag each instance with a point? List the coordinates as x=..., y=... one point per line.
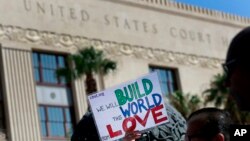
x=185, y=103
x=108, y=65
x=86, y=62
x=218, y=93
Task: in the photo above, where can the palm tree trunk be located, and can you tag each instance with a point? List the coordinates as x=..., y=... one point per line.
x=101, y=80
x=90, y=83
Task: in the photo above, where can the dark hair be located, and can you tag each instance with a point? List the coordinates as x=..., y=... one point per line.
x=216, y=121
x=238, y=53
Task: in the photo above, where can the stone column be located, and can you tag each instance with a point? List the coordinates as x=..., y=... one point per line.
x=79, y=98
x=19, y=97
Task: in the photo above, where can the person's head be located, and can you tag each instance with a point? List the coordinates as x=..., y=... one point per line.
x=208, y=124
x=237, y=68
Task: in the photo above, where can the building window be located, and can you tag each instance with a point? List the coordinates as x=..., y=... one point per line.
x=45, y=66
x=2, y=119
x=55, y=121
x=167, y=78
x=54, y=97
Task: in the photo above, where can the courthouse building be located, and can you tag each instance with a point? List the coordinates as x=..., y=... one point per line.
x=185, y=44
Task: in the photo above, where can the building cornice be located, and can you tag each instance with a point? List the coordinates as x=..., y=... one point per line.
x=185, y=10
x=71, y=43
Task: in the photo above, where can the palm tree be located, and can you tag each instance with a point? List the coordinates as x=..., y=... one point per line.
x=86, y=62
x=218, y=94
x=185, y=103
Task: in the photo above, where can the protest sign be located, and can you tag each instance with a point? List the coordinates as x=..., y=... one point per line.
x=134, y=105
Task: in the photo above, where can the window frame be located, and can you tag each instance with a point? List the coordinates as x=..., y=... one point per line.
x=175, y=75
x=46, y=106
x=2, y=106
x=2, y=119
x=40, y=69
x=47, y=123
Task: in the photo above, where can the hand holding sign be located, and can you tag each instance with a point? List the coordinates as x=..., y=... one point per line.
x=131, y=136
x=138, y=106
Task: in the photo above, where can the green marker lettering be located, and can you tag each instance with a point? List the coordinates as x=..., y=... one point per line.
x=120, y=97
x=147, y=85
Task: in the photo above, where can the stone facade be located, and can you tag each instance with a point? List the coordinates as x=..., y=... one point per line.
x=135, y=33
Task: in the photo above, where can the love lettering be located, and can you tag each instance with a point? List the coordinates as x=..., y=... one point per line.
x=134, y=101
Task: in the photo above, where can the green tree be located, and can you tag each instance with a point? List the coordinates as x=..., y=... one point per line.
x=86, y=62
x=185, y=103
x=218, y=94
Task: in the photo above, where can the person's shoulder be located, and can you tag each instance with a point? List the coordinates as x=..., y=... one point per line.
x=87, y=115
x=174, y=129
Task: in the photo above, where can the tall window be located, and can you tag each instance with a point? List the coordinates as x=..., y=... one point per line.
x=2, y=119
x=54, y=96
x=56, y=119
x=167, y=78
x=45, y=66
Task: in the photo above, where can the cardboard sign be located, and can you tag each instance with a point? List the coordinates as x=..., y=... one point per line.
x=134, y=105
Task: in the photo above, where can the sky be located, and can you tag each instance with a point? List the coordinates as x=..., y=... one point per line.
x=237, y=7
